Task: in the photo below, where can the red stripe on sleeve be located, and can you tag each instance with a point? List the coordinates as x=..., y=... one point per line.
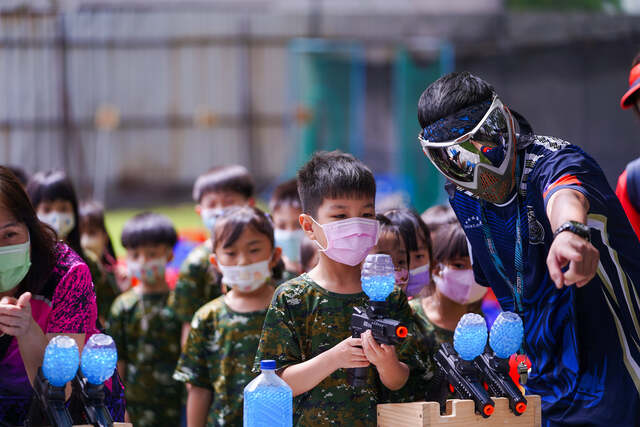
x=561, y=182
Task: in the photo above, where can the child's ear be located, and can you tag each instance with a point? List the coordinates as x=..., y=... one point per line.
x=170, y=256
x=307, y=225
x=214, y=262
x=277, y=254
x=198, y=209
x=251, y=201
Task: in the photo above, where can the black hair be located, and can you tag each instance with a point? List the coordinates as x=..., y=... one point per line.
x=450, y=243
x=450, y=93
x=55, y=185
x=285, y=194
x=437, y=216
x=233, y=178
x=92, y=216
x=148, y=228
x=232, y=224
x=20, y=173
x=387, y=226
x=331, y=175
x=42, y=237
x=412, y=228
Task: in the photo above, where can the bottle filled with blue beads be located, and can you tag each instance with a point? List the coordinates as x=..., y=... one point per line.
x=268, y=399
x=99, y=358
x=470, y=336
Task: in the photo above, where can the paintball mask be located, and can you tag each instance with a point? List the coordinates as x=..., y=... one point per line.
x=475, y=151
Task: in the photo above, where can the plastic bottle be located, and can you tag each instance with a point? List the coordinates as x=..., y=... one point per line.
x=470, y=336
x=268, y=400
x=378, y=277
x=61, y=360
x=506, y=334
x=99, y=358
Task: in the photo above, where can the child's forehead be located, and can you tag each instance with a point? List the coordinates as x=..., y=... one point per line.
x=150, y=247
x=221, y=194
x=286, y=209
x=347, y=201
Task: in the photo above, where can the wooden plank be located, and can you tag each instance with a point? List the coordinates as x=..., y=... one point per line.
x=459, y=413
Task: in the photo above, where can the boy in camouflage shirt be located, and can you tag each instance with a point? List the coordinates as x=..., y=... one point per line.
x=144, y=327
x=222, y=343
x=306, y=328
x=198, y=282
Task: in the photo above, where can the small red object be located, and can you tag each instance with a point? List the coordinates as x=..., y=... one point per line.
x=402, y=331
x=488, y=410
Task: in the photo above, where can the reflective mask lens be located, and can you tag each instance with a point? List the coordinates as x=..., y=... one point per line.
x=488, y=145
x=15, y=261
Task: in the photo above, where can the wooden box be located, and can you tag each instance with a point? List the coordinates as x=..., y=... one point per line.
x=459, y=413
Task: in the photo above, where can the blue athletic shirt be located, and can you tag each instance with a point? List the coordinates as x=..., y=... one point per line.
x=583, y=342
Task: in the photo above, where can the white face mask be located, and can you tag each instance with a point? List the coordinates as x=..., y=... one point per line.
x=61, y=222
x=149, y=272
x=94, y=244
x=459, y=285
x=246, y=278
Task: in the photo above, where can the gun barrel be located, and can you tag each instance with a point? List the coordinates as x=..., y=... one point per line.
x=495, y=373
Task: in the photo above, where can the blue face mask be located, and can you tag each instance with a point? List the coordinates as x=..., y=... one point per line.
x=290, y=242
x=210, y=216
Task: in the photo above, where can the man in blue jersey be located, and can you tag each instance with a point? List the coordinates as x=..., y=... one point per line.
x=549, y=236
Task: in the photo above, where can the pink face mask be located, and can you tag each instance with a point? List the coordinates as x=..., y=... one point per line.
x=459, y=286
x=349, y=240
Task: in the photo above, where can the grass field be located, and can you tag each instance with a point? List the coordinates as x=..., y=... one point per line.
x=183, y=217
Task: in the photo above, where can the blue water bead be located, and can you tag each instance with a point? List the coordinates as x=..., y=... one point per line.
x=506, y=334
x=378, y=288
x=470, y=336
x=99, y=358
x=61, y=359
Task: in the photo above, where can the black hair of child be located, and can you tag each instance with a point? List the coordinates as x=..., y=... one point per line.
x=285, y=194
x=232, y=178
x=450, y=93
x=55, y=185
x=450, y=243
x=23, y=177
x=148, y=228
x=333, y=175
x=412, y=228
x=232, y=224
x=92, y=216
x=387, y=226
x=437, y=216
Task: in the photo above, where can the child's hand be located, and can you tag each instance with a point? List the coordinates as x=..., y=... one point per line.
x=349, y=354
x=379, y=355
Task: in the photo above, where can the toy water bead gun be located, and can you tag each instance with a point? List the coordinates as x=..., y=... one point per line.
x=456, y=371
x=378, y=280
x=60, y=366
x=505, y=340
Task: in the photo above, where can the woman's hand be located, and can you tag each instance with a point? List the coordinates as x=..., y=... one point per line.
x=15, y=315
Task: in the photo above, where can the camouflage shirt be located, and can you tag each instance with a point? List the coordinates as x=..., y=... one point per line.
x=219, y=356
x=305, y=320
x=104, y=284
x=198, y=283
x=147, y=336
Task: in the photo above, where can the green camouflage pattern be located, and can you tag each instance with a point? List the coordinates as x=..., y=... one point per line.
x=197, y=284
x=431, y=338
x=147, y=335
x=104, y=284
x=219, y=355
x=305, y=320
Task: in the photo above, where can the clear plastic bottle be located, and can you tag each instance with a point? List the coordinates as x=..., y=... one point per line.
x=378, y=277
x=470, y=336
x=268, y=400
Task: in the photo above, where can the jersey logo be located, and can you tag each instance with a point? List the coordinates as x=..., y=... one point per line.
x=472, y=222
x=536, y=230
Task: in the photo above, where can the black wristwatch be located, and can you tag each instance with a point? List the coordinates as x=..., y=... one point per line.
x=576, y=228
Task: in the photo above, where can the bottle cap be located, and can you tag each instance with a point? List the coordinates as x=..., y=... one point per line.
x=267, y=364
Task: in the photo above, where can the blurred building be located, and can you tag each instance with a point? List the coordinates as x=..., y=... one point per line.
x=137, y=97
